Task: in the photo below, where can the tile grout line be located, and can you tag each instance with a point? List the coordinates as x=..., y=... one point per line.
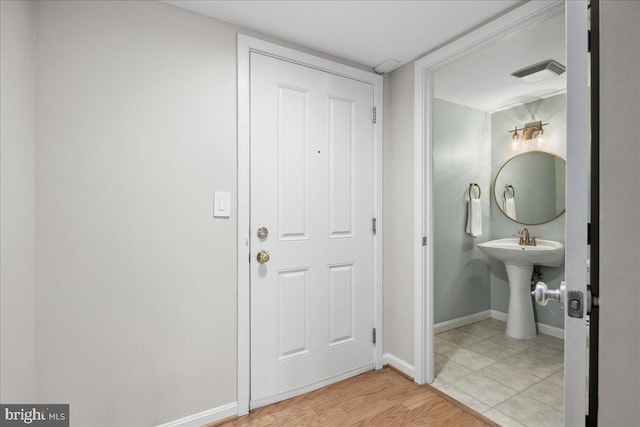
x=519, y=351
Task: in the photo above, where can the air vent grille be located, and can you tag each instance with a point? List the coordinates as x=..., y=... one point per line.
x=549, y=65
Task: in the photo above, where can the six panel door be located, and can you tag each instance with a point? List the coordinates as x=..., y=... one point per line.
x=312, y=190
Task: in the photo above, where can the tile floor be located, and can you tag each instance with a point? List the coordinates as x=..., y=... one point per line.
x=513, y=382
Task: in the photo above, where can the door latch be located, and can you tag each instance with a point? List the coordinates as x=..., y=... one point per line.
x=575, y=304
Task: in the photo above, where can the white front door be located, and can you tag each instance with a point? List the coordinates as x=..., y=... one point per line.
x=312, y=200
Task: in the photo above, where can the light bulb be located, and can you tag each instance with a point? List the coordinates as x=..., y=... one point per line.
x=538, y=137
x=515, y=137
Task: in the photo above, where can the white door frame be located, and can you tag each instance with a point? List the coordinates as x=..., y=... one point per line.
x=577, y=179
x=519, y=19
x=577, y=201
x=246, y=45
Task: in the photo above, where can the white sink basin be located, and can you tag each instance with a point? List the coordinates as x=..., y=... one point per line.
x=519, y=261
x=547, y=253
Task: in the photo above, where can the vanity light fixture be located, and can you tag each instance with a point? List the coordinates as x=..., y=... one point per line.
x=532, y=131
x=538, y=136
x=516, y=136
x=515, y=139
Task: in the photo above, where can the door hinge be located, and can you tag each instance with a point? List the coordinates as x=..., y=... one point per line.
x=374, y=335
x=375, y=114
x=374, y=226
x=424, y=241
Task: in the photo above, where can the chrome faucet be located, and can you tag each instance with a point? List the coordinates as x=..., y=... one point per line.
x=525, y=239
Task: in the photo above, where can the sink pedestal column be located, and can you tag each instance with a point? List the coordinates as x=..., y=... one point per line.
x=520, y=320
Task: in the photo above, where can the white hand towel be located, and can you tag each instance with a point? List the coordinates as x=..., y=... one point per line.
x=510, y=207
x=474, y=218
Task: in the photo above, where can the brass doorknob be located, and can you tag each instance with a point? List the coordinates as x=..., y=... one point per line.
x=263, y=256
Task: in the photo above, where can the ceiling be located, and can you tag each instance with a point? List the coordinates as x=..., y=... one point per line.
x=369, y=32
x=366, y=32
x=482, y=79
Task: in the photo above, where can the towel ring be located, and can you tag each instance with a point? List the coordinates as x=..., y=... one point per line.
x=471, y=185
x=508, y=188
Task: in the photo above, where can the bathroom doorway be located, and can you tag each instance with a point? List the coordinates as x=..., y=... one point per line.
x=495, y=108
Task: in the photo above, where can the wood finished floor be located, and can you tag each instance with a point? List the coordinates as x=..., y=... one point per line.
x=376, y=398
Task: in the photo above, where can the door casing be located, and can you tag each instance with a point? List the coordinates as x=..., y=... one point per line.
x=519, y=19
x=577, y=195
x=245, y=46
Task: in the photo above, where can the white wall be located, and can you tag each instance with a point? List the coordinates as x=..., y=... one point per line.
x=619, y=376
x=17, y=153
x=398, y=214
x=136, y=125
x=136, y=282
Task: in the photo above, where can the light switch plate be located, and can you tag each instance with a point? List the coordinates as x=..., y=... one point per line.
x=221, y=204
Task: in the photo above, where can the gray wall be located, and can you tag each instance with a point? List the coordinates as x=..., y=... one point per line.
x=461, y=155
x=106, y=351
x=535, y=181
x=471, y=146
x=17, y=157
x=398, y=214
x=552, y=110
x=135, y=281
x=619, y=376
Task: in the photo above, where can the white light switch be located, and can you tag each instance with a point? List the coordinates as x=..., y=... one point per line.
x=221, y=204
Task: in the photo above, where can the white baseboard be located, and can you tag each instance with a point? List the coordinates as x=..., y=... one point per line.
x=551, y=330
x=399, y=364
x=461, y=321
x=542, y=328
x=205, y=417
x=498, y=315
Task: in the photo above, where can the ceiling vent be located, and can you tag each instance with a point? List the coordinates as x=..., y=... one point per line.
x=541, y=71
x=386, y=66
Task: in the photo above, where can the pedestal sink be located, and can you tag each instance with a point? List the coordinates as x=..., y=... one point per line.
x=519, y=261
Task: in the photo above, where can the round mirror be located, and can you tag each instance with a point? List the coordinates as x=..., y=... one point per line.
x=529, y=188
